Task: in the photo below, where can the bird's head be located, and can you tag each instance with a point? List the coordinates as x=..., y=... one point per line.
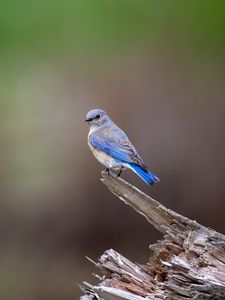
x=97, y=117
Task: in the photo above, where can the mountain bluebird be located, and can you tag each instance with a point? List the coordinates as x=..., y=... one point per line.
x=111, y=146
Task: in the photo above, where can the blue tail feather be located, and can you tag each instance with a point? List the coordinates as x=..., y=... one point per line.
x=148, y=177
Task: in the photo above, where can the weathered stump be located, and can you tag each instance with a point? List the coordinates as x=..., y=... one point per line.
x=188, y=263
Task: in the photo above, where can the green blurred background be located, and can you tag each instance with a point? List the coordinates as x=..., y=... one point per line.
x=158, y=68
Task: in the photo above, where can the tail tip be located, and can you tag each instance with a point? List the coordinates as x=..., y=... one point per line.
x=154, y=179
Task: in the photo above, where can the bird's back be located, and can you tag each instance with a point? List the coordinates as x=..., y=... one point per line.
x=115, y=139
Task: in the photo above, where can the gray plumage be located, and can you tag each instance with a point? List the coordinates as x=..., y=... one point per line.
x=112, y=148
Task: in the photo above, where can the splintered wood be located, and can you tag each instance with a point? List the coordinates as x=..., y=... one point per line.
x=188, y=263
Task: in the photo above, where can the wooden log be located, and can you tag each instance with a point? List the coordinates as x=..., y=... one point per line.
x=188, y=263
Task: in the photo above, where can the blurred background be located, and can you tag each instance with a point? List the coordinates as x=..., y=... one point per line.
x=158, y=69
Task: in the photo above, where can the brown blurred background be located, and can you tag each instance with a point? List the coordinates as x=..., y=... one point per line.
x=158, y=69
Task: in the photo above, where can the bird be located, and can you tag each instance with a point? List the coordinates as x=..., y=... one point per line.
x=112, y=148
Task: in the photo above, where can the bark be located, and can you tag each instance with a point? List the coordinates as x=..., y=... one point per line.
x=188, y=263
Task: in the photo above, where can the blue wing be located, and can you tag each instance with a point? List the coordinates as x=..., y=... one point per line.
x=116, y=144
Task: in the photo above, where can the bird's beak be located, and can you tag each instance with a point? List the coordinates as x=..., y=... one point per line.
x=88, y=120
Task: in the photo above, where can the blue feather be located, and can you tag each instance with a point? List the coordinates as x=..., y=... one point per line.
x=123, y=155
x=111, y=149
x=148, y=177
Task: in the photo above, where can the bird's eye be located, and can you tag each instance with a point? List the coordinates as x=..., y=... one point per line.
x=97, y=116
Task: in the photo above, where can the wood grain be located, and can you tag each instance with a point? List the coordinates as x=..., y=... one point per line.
x=187, y=263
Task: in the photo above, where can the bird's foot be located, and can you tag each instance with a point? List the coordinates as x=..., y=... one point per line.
x=120, y=171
